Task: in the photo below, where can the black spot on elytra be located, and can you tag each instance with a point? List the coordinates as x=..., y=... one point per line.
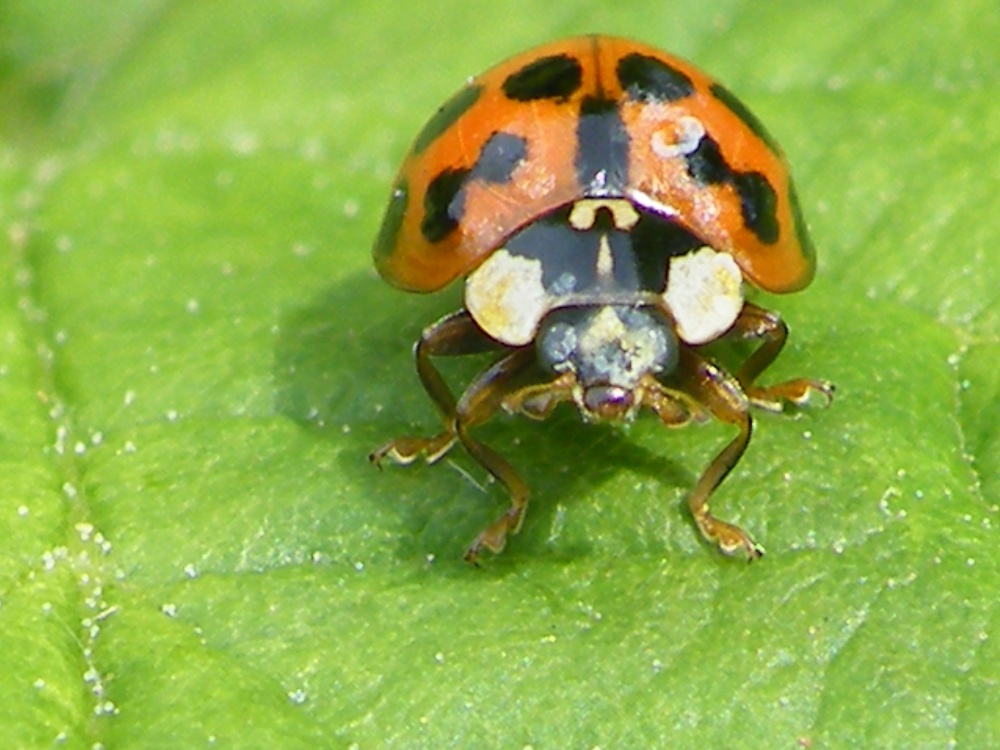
x=741, y=110
x=602, y=144
x=554, y=77
x=646, y=79
x=759, y=204
x=758, y=200
x=499, y=157
x=446, y=116
x=392, y=221
x=444, y=203
x=706, y=163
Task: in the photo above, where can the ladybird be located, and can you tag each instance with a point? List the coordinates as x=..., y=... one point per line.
x=606, y=204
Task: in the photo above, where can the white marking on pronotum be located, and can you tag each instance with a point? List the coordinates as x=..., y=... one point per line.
x=505, y=296
x=605, y=260
x=584, y=213
x=704, y=293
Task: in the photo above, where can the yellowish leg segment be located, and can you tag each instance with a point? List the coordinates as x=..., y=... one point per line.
x=757, y=323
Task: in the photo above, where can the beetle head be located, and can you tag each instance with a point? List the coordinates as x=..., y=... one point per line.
x=609, y=349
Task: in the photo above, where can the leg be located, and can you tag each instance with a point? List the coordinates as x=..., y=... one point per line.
x=452, y=336
x=495, y=388
x=458, y=335
x=500, y=387
x=757, y=323
x=674, y=408
x=538, y=400
x=724, y=397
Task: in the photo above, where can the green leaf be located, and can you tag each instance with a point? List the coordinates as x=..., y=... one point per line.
x=196, y=358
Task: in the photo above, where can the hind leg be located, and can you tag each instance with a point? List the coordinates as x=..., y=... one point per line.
x=453, y=336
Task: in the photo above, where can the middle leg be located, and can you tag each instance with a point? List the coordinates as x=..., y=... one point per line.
x=755, y=322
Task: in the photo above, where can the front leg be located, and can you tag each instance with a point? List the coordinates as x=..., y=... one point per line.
x=757, y=323
x=481, y=400
x=453, y=336
x=458, y=335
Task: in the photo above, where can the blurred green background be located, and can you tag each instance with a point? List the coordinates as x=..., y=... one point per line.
x=196, y=358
